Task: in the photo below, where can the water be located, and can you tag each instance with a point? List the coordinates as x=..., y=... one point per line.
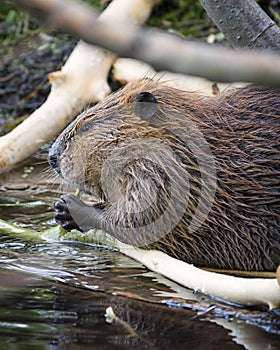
x=55, y=295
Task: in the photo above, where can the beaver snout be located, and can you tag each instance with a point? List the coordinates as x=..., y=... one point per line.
x=53, y=159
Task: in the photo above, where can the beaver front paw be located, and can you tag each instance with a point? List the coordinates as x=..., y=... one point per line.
x=62, y=215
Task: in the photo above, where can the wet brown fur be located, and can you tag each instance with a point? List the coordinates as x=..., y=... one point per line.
x=242, y=129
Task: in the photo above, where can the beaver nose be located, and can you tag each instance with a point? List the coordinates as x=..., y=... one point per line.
x=53, y=158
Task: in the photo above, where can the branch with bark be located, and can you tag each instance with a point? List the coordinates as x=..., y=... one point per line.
x=161, y=50
x=244, y=24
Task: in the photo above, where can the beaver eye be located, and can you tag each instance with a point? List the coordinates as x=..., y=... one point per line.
x=85, y=128
x=146, y=105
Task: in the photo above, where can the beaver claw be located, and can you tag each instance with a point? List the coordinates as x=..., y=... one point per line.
x=62, y=215
x=72, y=213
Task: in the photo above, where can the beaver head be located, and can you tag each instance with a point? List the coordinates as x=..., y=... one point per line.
x=141, y=116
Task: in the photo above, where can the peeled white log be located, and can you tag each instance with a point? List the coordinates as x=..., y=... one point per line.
x=82, y=80
x=134, y=12
x=128, y=69
x=76, y=84
x=245, y=291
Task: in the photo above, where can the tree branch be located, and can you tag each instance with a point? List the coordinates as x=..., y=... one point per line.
x=160, y=49
x=244, y=24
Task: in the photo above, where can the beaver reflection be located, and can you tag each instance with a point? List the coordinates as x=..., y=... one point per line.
x=155, y=326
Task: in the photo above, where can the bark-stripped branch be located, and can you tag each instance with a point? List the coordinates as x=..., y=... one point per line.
x=246, y=291
x=82, y=80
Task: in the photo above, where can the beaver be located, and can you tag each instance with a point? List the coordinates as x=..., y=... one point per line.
x=196, y=177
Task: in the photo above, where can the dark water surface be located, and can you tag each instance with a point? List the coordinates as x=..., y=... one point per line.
x=55, y=295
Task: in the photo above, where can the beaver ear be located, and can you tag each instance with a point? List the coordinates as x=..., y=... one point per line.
x=146, y=105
